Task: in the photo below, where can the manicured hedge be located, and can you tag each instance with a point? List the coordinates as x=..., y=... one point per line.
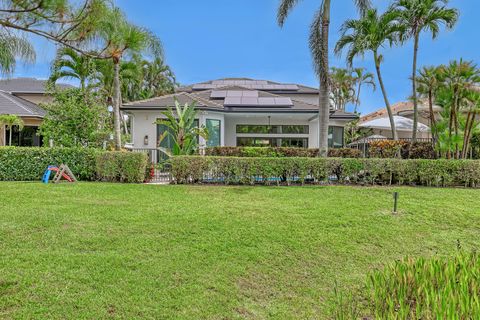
x=128, y=167
x=278, y=152
x=29, y=164
x=268, y=171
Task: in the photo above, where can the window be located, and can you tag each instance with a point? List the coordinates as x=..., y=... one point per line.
x=272, y=142
x=214, y=132
x=273, y=129
x=168, y=140
x=27, y=137
x=335, y=137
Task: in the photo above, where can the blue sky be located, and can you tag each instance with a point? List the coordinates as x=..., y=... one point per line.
x=212, y=39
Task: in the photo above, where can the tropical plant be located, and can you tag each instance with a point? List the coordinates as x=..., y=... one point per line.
x=122, y=38
x=342, y=86
x=417, y=16
x=368, y=34
x=181, y=129
x=13, y=47
x=428, y=83
x=362, y=78
x=318, y=40
x=71, y=64
x=9, y=121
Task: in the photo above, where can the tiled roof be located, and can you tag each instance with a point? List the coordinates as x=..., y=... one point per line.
x=403, y=108
x=10, y=104
x=27, y=85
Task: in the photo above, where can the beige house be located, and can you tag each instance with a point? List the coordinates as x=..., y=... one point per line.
x=21, y=97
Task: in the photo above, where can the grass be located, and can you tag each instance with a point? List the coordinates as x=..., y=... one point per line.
x=93, y=251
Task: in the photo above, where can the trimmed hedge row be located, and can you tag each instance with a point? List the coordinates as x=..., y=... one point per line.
x=280, y=152
x=268, y=171
x=29, y=164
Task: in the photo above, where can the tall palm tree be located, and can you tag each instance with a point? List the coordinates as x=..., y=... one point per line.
x=362, y=78
x=72, y=65
x=368, y=34
x=13, y=47
x=157, y=78
x=123, y=38
x=9, y=121
x=428, y=83
x=318, y=40
x=417, y=16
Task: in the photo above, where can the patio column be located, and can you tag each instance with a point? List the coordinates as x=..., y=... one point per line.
x=2, y=136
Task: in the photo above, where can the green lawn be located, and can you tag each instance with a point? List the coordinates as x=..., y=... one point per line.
x=91, y=250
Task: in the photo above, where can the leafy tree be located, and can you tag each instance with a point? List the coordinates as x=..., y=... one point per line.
x=368, y=34
x=122, y=38
x=75, y=118
x=417, y=16
x=362, y=78
x=72, y=65
x=10, y=121
x=181, y=129
x=13, y=47
x=319, y=35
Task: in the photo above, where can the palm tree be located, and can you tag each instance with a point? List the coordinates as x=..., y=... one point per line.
x=13, y=47
x=318, y=40
x=473, y=110
x=417, y=16
x=370, y=33
x=9, y=121
x=123, y=38
x=362, y=78
x=73, y=65
x=342, y=86
x=181, y=129
x=428, y=81
x=157, y=78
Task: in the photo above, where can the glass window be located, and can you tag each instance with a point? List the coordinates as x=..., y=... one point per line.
x=273, y=129
x=27, y=137
x=272, y=142
x=335, y=137
x=168, y=141
x=214, y=132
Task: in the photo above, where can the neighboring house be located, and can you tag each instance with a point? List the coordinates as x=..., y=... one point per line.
x=242, y=112
x=21, y=97
x=403, y=109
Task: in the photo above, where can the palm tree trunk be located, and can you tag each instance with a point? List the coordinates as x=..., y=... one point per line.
x=384, y=92
x=324, y=91
x=414, y=88
x=433, y=123
x=116, y=105
x=358, y=98
x=467, y=135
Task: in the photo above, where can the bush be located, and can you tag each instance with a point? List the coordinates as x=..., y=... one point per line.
x=434, y=288
x=278, y=152
x=119, y=166
x=29, y=164
x=418, y=150
x=386, y=148
x=248, y=170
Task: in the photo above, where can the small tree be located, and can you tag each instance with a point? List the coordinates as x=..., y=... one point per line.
x=181, y=129
x=9, y=121
x=75, y=119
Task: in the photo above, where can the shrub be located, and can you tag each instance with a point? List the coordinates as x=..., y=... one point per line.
x=294, y=170
x=119, y=166
x=386, y=148
x=418, y=150
x=434, y=288
x=278, y=152
x=29, y=164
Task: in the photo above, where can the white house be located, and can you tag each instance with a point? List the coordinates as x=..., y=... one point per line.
x=242, y=112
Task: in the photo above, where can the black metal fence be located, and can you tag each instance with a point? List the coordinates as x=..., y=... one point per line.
x=159, y=169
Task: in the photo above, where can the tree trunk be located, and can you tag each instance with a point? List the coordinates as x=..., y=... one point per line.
x=10, y=136
x=414, y=88
x=358, y=98
x=433, y=123
x=116, y=105
x=324, y=92
x=384, y=92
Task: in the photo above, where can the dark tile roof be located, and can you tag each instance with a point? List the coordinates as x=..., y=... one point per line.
x=27, y=85
x=10, y=104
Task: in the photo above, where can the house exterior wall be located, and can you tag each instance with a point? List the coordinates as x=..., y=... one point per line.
x=37, y=98
x=143, y=124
